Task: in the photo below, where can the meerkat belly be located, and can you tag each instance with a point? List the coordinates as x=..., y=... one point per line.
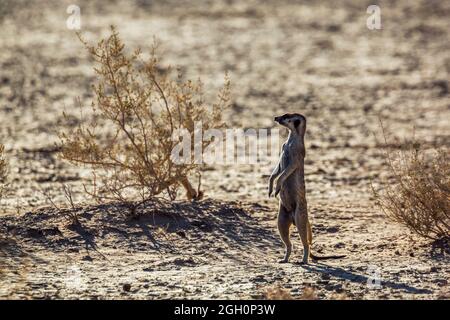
x=292, y=192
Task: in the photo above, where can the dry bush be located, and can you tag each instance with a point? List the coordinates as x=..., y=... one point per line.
x=3, y=171
x=339, y=296
x=419, y=196
x=279, y=293
x=144, y=108
x=309, y=293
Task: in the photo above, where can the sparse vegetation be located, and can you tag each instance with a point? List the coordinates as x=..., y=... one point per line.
x=144, y=107
x=277, y=293
x=284, y=57
x=419, y=196
x=69, y=210
x=280, y=293
x=309, y=293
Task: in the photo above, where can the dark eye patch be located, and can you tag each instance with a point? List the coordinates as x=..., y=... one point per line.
x=296, y=123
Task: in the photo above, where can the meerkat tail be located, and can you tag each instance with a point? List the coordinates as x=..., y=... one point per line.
x=314, y=257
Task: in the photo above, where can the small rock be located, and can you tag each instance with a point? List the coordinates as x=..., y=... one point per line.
x=259, y=278
x=441, y=282
x=184, y=261
x=126, y=287
x=332, y=229
x=442, y=85
x=181, y=234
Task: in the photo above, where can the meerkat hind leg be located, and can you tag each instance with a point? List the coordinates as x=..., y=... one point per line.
x=284, y=224
x=301, y=221
x=309, y=233
x=310, y=239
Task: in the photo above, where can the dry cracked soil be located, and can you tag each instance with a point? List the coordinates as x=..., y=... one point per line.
x=317, y=58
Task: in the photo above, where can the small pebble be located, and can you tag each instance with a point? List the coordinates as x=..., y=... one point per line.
x=127, y=287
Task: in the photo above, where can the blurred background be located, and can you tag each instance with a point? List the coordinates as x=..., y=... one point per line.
x=318, y=58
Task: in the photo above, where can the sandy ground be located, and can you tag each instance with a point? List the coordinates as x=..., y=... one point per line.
x=317, y=59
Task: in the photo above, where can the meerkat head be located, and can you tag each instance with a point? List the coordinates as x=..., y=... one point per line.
x=295, y=122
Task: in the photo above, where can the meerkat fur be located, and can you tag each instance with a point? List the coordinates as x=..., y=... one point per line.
x=290, y=186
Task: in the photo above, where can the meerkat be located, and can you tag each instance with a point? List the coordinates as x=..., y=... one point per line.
x=290, y=185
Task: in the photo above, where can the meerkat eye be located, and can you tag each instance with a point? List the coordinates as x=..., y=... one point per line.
x=297, y=122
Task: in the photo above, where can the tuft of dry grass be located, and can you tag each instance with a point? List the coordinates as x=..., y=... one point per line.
x=69, y=210
x=339, y=296
x=309, y=293
x=280, y=293
x=143, y=109
x=277, y=293
x=418, y=196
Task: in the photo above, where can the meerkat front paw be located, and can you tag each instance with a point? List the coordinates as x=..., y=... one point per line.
x=277, y=190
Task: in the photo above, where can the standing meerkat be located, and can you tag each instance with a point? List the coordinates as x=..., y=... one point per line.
x=290, y=186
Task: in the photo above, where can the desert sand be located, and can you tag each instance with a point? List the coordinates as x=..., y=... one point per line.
x=315, y=58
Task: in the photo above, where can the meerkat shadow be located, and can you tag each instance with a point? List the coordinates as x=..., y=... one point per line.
x=348, y=275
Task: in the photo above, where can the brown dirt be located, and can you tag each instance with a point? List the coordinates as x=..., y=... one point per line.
x=317, y=59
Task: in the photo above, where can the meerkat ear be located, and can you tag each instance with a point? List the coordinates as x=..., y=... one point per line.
x=296, y=123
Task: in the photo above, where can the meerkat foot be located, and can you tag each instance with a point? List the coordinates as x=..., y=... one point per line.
x=306, y=254
x=286, y=257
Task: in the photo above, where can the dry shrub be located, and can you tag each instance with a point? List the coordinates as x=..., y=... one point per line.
x=3, y=171
x=142, y=108
x=339, y=296
x=279, y=293
x=69, y=209
x=419, y=196
x=309, y=293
